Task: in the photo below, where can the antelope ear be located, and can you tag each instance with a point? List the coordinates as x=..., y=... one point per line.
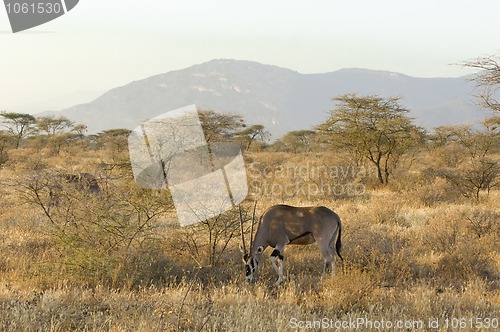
x=260, y=250
x=241, y=249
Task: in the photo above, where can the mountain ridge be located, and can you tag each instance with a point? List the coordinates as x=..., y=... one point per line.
x=279, y=98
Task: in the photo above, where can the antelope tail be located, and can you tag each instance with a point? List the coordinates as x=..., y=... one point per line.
x=338, y=244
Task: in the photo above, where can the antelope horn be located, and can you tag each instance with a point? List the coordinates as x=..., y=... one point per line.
x=253, y=222
x=242, y=234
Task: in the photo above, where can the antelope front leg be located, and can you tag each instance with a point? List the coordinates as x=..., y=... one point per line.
x=277, y=260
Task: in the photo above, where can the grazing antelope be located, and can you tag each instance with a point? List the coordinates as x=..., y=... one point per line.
x=282, y=224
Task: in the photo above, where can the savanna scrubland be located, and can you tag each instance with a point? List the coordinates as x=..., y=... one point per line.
x=420, y=214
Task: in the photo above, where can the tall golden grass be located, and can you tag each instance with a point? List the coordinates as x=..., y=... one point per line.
x=413, y=251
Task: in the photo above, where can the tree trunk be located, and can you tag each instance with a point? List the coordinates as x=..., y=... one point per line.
x=379, y=169
x=386, y=170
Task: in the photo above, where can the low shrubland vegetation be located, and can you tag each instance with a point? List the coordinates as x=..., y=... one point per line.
x=421, y=246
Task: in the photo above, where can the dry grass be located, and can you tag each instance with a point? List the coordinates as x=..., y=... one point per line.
x=412, y=252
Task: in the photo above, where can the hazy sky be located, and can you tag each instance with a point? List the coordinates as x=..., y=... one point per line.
x=102, y=44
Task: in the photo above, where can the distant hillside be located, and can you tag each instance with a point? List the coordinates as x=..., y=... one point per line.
x=279, y=98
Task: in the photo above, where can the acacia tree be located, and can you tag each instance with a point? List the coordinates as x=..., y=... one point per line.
x=299, y=140
x=474, y=143
x=219, y=127
x=19, y=125
x=473, y=167
x=488, y=80
x=5, y=142
x=372, y=127
x=52, y=125
x=79, y=130
x=253, y=133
